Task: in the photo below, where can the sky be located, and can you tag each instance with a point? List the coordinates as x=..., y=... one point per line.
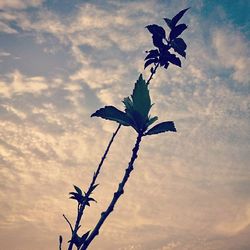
x=60, y=61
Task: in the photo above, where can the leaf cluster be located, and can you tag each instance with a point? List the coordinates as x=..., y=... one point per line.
x=162, y=55
x=82, y=197
x=136, y=114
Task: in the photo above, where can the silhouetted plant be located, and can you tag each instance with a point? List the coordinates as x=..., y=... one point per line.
x=135, y=115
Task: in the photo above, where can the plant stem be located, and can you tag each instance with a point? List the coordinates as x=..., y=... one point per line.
x=152, y=73
x=117, y=194
x=82, y=206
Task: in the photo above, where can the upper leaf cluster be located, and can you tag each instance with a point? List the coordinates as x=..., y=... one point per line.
x=161, y=55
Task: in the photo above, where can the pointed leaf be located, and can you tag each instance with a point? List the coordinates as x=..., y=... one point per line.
x=151, y=121
x=153, y=53
x=93, y=187
x=161, y=128
x=140, y=97
x=176, y=31
x=150, y=61
x=168, y=22
x=78, y=190
x=177, y=17
x=92, y=199
x=179, y=46
x=84, y=237
x=156, y=30
x=113, y=114
x=174, y=60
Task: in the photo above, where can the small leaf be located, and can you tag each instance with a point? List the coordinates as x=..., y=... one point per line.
x=174, y=60
x=156, y=30
x=153, y=53
x=78, y=190
x=169, y=22
x=84, y=237
x=93, y=187
x=176, y=31
x=179, y=46
x=151, y=121
x=113, y=114
x=161, y=128
x=92, y=199
x=177, y=17
x=157, y=41
x=150, y=61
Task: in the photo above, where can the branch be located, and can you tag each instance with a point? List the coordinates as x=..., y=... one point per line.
x=60, y=242
x=71, y=228
x=82, y=206
x=117, y=194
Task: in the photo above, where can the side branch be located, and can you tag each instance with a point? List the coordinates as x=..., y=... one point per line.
x=88, y=193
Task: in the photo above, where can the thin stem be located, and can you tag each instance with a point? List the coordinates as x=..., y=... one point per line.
x=71, y=228
x=60, y=242
x=152, y=73
x=117, y=194
x=82, y=206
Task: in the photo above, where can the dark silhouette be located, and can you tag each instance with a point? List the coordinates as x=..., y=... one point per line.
x=135, y=115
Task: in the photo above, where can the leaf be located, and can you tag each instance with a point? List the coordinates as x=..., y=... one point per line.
x=84, y=237
x=153, y=53
x=169, y=22
x=140, y=97
x=113, y=114
x=174, y=60
x=150, y=61
x=93, y=187
x=177, y=17
x=151, y=121
x=78, y=190
x=157, y=41
x=179, y=46
x=92, y=199
x=176, y=31
x=156, y=30
x=161, y=128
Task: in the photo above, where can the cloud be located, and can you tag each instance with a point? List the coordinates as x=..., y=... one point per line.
x=19, y=4
x=19, y=84
x=232, y=51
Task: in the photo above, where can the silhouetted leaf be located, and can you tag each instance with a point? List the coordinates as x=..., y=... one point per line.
x=151, y=121
x=172, y=23
x=150, y=61
x=176, y=31
x=156, y=30
x=157, y=41
x=161, y=128
x=179, y=46
x=78, y=190
x=84, y=237
x=174, y=60
x=113, y=114
x=93, y=187
x=92, y=199
x=177, y=17
x=153, y=53
x=140, y=97
x=169, y=22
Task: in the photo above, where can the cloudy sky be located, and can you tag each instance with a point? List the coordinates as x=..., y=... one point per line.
x=60, y=60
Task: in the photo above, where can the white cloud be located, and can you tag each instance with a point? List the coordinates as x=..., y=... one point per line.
x=6, y=28
x=20, y=84
x=232, y=50
x=19, y=4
